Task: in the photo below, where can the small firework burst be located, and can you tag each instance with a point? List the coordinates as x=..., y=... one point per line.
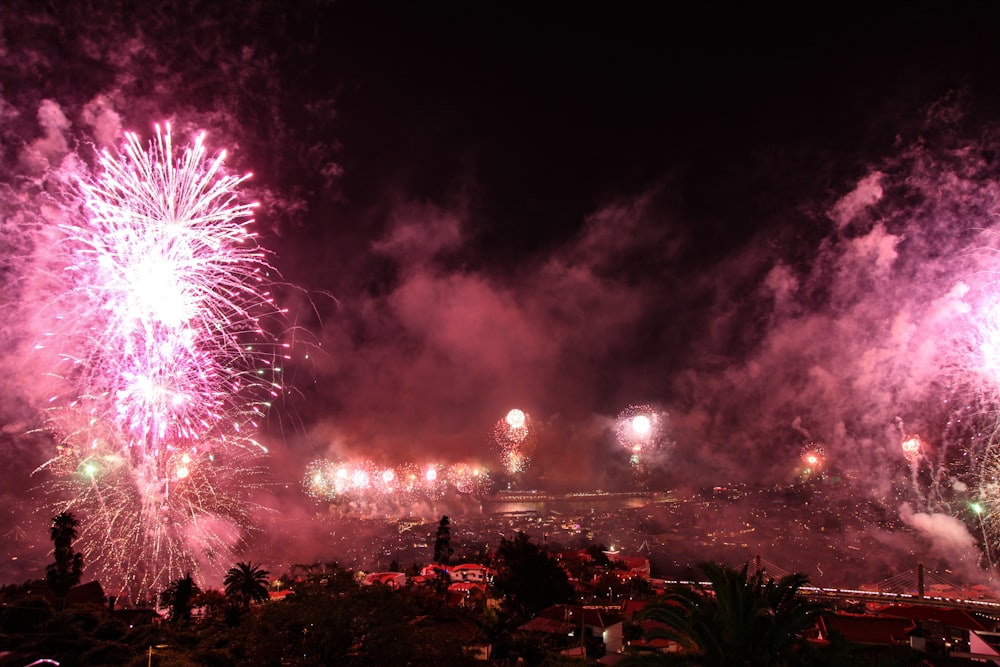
x=642, y=431
x=514, y=438
x=912, y=447
x=813, y=456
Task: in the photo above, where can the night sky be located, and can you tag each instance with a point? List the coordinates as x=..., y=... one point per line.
x=775, y=228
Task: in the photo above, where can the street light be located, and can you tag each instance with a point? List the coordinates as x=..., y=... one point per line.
x=149, y=662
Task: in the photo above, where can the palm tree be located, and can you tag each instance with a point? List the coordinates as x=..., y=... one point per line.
x=246, y=583
x=179, y=596
x=67, y=569
x=738, y=620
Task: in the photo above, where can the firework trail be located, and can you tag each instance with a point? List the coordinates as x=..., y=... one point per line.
x=165, y=367
x=972, y=371
x=960, y=454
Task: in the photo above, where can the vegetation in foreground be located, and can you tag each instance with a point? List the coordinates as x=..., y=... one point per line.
x=741, y=619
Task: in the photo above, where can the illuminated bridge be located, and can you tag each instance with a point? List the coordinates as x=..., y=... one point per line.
x=905, y=588
x=543, y=496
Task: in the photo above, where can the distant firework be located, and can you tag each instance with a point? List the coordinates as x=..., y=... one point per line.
x=514, y=438
x=515, y=419
x=813, y=458
x=376, y=487
x=641, y=431
x=912, y=448
x=468, y=478
x=165, y=366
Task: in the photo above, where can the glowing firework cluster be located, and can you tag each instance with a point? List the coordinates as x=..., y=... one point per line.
x=641, y=431
x=514, y=438
x=363, y=482
x=166, y=367
x=813, y=457
x=912, y=448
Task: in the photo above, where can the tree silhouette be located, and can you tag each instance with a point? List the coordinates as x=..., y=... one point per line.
x=442, y=542
x=528, y=577
x=738, y=620
x=246, y=583
x=213, y=604
x=180, y=596
x=65, y=572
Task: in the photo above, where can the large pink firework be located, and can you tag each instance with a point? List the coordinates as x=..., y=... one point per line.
x=165, y=366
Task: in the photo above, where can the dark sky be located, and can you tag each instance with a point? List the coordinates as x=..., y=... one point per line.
x=772, y=226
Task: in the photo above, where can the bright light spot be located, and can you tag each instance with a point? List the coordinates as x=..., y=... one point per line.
x=431, y=474
x=182, y=472
x=977, y=508
x=515, y=418
x=641, y=424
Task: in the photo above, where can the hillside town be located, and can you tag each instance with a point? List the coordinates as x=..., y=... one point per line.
x=521, y=600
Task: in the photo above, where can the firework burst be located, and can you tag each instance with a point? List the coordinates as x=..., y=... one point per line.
x=514, y=438
x=165, y=368
x=912, y=448
x=642, y=431
x=387, y=489
x=813, y=458
x=468, y=479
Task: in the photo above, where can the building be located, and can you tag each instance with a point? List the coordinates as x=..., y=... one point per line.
x=565, y=626
x=391, y=579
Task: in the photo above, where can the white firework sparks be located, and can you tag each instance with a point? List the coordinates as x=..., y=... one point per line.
x=166, y=367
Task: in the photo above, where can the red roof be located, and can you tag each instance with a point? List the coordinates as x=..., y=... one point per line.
x=594, y=618
x=549, y=626
x=868, y=629
x=955, y=618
